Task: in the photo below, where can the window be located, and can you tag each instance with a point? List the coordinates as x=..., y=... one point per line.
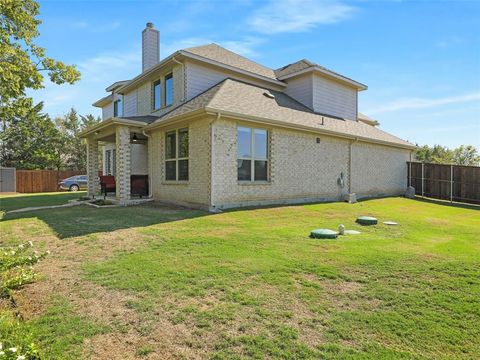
x=168, y=90
x=176, y=155
x=118, y=107
x=110, y=162
x=157, y=95
x=252, y=154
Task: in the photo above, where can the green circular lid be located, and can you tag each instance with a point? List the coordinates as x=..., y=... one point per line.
x=367, y=220
x=323, y=234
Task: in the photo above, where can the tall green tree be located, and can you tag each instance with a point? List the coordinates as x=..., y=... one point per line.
x=463, y=155
x=22, y=63
x=31, y=140
x=74, y=148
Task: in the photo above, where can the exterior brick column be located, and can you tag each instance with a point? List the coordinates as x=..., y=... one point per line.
x=122, y=177
x=92, y=167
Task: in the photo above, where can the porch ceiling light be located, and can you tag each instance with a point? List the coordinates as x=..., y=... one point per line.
x=134, y=137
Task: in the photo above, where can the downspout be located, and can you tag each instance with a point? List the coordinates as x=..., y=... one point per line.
x=350, y=165
x=184, y=77
x=149, y=166
x=212, y=142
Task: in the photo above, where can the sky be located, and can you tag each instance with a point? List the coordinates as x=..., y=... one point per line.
x=420, y=59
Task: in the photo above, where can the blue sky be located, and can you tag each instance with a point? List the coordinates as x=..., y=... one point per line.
x=421, y=60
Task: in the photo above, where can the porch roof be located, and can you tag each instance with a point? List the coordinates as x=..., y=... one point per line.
x=137, y=122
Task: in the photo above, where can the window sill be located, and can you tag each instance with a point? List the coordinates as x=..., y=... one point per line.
x=246, y=183
x=174, y=182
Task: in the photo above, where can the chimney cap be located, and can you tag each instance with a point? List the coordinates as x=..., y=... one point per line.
x=150, y=25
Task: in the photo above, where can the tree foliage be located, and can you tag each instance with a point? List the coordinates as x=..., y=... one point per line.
x=31, y=140
x=22, y=63
x=462, y=155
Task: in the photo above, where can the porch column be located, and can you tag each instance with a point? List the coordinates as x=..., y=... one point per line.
x=92, y=167
x=122, y=176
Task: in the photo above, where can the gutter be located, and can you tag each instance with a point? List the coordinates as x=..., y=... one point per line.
x=350, y=164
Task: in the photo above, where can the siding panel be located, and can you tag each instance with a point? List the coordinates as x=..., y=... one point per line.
x=130, y=104
x=301, y=89
x=332, y=98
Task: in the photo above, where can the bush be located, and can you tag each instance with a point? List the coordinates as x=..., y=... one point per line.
x=16, y=267
x=15, y=271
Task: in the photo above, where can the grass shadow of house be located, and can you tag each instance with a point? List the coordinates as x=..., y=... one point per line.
x=85, y=220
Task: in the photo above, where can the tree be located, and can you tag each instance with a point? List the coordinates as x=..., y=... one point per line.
x=466, y=155
x=74, y=148
x=463, y=155
x=31, y=141
x=21, y=61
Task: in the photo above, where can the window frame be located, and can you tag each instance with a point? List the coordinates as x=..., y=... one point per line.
x=116, y=108
x=169, y=76
x=253, y=157
x=177, y=158
x=154, y=84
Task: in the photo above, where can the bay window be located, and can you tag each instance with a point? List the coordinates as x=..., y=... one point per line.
x=252, y=154
x=176, y=155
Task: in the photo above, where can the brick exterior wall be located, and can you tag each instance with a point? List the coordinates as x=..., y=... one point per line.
x=122, y=178
x=196, y=191
x=300, y=168
x=92, y=167
x=378, y=170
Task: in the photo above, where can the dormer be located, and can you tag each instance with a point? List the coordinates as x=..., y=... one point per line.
x=320, y=89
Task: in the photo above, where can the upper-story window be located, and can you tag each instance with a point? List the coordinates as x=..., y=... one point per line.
x=252, y=154
x=118, y=107
x=157, y=95
x=168, y=90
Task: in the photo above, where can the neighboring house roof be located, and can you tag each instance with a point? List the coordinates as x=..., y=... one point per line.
x=227, y=57
x=304, y=66
x=238, y=99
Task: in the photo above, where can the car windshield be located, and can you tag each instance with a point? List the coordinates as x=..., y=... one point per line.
x=72, y=178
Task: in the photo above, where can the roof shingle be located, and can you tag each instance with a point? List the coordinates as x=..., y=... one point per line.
x=241, y=98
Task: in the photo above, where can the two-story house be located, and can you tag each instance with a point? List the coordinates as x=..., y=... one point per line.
x=213, y=129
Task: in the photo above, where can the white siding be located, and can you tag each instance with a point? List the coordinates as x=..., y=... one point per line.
x=301, y=89
x=107, y=111
x=130, y=104
x=200, y=78
x=333, y=98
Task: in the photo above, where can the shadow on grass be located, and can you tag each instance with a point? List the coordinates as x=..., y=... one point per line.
x=13, y=202
x=448, y=203
x=84, y=220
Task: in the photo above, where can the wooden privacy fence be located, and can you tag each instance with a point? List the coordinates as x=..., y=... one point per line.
x=446, y=182
x=31, y=181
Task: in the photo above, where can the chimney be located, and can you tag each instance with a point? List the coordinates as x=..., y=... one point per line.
x=150, y=47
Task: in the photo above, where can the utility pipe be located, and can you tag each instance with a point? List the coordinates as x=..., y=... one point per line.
x=149, y=165
x=350, y=165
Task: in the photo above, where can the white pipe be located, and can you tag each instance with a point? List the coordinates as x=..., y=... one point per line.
x=183, y=71
x=212, y=142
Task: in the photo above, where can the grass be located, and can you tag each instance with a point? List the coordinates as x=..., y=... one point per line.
x=251, y=284
x=18, y=201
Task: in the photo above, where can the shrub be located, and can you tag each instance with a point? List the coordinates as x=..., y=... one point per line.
x=16, y=267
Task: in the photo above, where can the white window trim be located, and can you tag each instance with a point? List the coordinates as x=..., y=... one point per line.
x=177, y=158
x=252, y=157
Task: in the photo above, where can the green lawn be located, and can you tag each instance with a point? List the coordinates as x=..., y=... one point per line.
x=12, y=202
x=142, y=282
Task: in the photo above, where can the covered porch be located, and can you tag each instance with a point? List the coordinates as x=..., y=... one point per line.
x=118, y=147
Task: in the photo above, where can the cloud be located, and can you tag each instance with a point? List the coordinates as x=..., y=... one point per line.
x=280, y=16
x=418, y=103
x=449, y=41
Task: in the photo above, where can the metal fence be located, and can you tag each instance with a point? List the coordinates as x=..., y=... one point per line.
x=7, y=180
x=446, y=182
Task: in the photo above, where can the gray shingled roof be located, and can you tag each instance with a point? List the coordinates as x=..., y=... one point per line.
x=241, y=98
x=227, y=57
